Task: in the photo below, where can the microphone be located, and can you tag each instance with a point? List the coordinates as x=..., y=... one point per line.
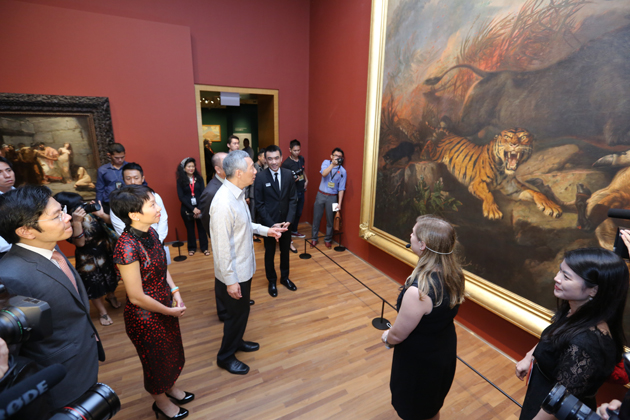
x=15, y=398
x=408, y=246
x=619, y=213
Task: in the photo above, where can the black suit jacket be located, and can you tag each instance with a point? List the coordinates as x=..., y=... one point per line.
x=206, y=200
x=73, y=342
x=273, y=206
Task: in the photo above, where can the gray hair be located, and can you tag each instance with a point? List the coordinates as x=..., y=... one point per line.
x=233, y=161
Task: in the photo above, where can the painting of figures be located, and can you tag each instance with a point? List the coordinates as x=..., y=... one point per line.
x=511, y=119
x=52, y=150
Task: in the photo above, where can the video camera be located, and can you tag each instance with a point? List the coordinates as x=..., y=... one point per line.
x=22, y=319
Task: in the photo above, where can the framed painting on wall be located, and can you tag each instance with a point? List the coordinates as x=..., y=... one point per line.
x=211, y=132
x=510, y=121
x=58, y=141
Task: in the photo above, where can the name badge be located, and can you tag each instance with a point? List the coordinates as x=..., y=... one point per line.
x=193, y=201
x=331, y=184
x=267, y=185
x=118, y=185
x=301, y=178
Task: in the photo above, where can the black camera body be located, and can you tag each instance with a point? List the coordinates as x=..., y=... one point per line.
x=340, y=161
x=297, y=174
x=23, y=318
x=90, y=207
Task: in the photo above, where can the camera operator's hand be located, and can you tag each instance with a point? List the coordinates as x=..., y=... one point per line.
x=100, y=213
x=78, y=215
x=613, y=406
x=4, y=358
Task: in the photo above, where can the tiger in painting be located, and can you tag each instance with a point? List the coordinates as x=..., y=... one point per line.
x=483, y=168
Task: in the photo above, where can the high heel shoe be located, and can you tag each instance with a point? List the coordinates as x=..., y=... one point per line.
x=188, y=397
x=183, y=413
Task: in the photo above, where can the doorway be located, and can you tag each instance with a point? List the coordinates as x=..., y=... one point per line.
x=256, y=118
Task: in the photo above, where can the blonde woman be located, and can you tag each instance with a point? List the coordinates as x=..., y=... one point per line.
x=423, y=336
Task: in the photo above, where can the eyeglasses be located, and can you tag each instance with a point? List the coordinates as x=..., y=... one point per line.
x=62, y=213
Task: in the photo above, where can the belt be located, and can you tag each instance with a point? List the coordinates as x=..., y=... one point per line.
x=322, y=192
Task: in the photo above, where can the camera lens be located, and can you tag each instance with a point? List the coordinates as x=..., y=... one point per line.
x=13, y=325
x=91, y=207
x=100, y=402
x=25, y=318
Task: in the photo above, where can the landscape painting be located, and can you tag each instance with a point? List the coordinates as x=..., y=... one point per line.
x=510, y=119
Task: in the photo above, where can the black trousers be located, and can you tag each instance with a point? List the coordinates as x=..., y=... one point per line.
x=190, y=231
x=236, y=316
x=270, y=253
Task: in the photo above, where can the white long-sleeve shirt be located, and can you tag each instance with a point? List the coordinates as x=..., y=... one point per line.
x=231, y=233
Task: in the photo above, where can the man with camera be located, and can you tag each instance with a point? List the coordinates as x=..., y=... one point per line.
x=331, y=190
x=34, y=222
x=296, y=165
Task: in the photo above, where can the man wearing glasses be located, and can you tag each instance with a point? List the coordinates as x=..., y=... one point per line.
x=331, y=191
x=34, y=222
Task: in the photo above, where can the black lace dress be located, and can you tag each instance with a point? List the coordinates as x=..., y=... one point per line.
x=582, y=367
x=424, y=364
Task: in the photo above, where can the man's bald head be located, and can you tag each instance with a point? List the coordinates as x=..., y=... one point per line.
x=217, y=162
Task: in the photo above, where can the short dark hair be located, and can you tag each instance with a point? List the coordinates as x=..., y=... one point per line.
x=232, y=137
x=132, y=166
x=261, y=151
x=271, y=149
x=245, y=140
x=7, y=161
x=206, y=142
x=294, y=142
x=129, y=199
x=22, y=207
x=69, y=199
x=116, y=148
x=336, y=149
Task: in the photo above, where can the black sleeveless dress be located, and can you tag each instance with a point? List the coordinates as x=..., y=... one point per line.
x=424, y=364
x=582, y=367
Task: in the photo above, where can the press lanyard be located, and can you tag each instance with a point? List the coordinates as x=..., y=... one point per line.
x=192, y=187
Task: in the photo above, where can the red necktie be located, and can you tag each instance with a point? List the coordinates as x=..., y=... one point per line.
x=63, y=265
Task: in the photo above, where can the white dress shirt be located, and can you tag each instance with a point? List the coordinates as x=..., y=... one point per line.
x=279, y=177
x=4, y=245
x=231, y=233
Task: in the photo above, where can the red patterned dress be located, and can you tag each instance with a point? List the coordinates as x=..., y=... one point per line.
x=156, y=336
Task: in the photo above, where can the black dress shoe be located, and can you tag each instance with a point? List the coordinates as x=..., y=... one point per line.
x=273, y=291
x=188, y=397
x=256, y=239
x=251, y=302
x=248, y=346
x=183, y=413
x=288, y=284
x=233, y=365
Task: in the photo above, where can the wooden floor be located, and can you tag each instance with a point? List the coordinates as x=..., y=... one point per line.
x=320, y=357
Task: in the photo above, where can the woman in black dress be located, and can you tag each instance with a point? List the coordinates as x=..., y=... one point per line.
x=585, y=340
x=93, y=256
x=423, y=336
x=189, y=189
x=154, y=303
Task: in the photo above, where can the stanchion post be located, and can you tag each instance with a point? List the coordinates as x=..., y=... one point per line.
x=340, y=248
x=179, y=245
x=381, y=323
x=305, y=255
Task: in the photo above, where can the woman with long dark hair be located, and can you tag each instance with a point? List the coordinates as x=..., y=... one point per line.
x=93, y=256
x=585, y=339
x=423, y=336
x=190, y=186
x=154, y=302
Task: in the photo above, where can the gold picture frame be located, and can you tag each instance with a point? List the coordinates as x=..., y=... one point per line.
x=527, y=315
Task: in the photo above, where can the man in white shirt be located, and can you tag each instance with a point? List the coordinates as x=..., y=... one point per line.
x=7, y=179
x=231, y=233
x=134, y=175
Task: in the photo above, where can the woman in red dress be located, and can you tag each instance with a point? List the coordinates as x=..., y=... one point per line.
x=154, y=303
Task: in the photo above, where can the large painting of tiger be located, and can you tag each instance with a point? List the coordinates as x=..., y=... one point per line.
x=483, y=168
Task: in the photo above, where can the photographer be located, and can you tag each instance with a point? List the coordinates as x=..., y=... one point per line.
x=34, y=222
x=331, y=190
x=93, y=256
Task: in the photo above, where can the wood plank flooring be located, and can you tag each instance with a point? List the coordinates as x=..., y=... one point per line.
x=320, y=357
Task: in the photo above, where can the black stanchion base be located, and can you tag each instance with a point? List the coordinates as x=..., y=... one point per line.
x=180, y=258
x=305, y=256
x=177, y=244
x=340, y=248
x=381, y=324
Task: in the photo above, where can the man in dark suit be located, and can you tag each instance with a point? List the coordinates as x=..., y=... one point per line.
x=276, y=202
x=34, y=222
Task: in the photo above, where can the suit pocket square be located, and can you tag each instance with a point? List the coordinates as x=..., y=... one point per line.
x=267, y=185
